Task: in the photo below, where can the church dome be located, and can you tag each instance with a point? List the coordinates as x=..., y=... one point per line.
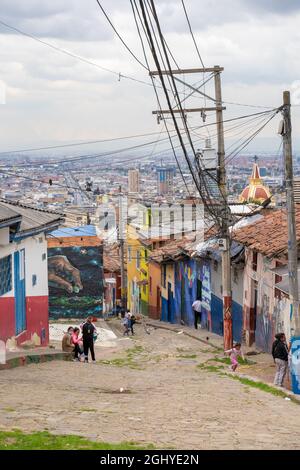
x=256, y=191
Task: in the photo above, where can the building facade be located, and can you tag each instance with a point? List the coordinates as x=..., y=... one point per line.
x=24, y=274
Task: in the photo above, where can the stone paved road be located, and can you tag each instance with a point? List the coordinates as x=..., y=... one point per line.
x=167, y=400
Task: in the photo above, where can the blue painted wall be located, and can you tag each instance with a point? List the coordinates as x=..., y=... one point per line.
x=217, y=318
x=237, y=321
x=216, y=315
x=168, y=310
x=186, y=275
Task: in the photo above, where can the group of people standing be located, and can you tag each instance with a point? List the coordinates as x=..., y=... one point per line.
x=80, y=341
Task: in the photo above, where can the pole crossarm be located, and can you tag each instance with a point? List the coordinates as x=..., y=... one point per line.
x=190, y=110
x=186, y=71
x=196, y=90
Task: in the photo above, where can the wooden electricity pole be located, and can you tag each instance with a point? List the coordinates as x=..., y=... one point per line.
x=122, y=253
x=224, y=217
x=292, y=243
x=226, y=259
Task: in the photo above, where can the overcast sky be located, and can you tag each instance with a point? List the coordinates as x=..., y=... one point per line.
x=52, y=98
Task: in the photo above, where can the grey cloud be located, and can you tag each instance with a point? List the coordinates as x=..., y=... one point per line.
x=75, y=20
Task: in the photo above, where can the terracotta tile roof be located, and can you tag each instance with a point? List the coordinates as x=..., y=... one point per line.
x=171, y=251
x=268, y=235
x=111, y=262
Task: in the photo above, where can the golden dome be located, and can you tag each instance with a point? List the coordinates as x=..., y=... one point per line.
x=256, y=191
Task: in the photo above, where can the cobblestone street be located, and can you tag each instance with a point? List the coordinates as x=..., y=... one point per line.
x=167, y=400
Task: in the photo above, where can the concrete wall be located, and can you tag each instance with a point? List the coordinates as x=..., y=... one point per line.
x=37, y=327
x=272, y=312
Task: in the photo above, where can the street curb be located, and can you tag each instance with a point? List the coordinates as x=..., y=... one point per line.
x=270, y=384
x=27, y=359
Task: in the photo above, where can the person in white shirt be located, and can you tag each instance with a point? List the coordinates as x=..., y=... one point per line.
x=197, y=312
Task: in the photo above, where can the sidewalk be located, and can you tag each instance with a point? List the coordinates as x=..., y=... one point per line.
x=260, y=368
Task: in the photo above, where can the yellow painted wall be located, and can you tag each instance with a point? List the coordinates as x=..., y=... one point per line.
x=139, y=299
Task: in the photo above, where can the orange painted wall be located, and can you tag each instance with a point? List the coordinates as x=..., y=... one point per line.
x=154, y=285
x=73, y=241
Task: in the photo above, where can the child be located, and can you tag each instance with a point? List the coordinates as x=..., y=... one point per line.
x=234, y=353
x=125, y=323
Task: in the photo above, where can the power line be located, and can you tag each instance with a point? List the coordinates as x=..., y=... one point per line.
x=134, y=6
x=120, y=37
x=77, y=144
x=153, y=50
x=199, y=182
x=75, y=56
x=192, y=34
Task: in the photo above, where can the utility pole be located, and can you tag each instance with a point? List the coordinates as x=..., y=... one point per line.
x=122, y=253
x=225, y=214
x=226, y=259
x=292, y=243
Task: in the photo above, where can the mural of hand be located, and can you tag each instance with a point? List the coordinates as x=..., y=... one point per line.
x=63, y=275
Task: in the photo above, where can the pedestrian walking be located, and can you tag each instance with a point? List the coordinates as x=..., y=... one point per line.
x=196, y=306
x=234, y=354
x=88, y=334
x=280, y=353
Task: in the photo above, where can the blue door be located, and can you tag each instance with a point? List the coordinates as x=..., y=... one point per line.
x=20, y=302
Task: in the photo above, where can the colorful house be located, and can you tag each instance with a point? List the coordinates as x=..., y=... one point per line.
x=266, y=305
x=24, y=274
x=211, y=286
x=112, y=279
x=138, y=247
x=75, y=267
x=174, y=280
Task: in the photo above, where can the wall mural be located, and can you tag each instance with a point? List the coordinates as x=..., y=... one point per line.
x=75, y=281
x=264, y=326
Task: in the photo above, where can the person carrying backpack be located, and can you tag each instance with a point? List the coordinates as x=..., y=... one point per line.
x=88, y=334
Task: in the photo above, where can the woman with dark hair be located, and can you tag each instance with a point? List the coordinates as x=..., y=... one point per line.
x=78, y=344
x=280, y=355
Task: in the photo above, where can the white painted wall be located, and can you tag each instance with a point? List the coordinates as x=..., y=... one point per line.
x=237, y=284
x=34, y=247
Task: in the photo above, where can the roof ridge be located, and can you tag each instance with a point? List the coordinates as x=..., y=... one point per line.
x=24, y=206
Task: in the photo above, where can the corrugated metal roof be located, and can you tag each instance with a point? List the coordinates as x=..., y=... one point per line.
x=6, y=214
x=32, y=219
x=83, y=231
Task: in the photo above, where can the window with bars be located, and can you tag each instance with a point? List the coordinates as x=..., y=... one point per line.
x=5, y=274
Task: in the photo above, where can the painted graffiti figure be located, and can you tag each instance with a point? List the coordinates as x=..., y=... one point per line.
x=280, y=353
x=234, y=354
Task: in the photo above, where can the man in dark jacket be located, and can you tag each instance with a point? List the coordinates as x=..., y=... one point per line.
x=88, y=331
x=280, y=355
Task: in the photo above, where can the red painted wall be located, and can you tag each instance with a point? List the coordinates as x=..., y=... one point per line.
x=7, y=317
x=36, y=319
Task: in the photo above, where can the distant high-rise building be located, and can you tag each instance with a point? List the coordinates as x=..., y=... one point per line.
x=133, y=181
x=165, y=180
x=297, y=189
